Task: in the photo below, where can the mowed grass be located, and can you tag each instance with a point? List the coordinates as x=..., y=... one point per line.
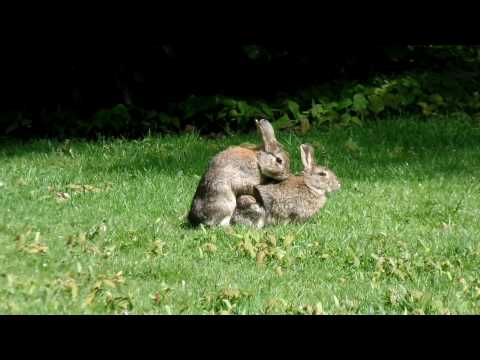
x=99, y=228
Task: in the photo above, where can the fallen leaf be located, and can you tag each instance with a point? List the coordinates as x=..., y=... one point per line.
x=90, y=297
x=119, y=277
x=248, y=247
x=90, y=188
x=109, y=297
x=21, y=182
x=94, y=249
x=109, y=283
x=97, y=286
x=156, y=298
x=209, y=247
x=20, y=241
x=276, y=304
x=72, y=285
x=260, y=258
x=62, y=196
x=82, y=238
x=318, y=309
x=272, y=240
x=279, y=271
x=230, y=294
x=83, y=188
x=337, y=303
x=417, y=295
x=447, y=227
x=102, y=228
x=287, y=240
x=35, y=248
x=11, y=280
x=278, y=253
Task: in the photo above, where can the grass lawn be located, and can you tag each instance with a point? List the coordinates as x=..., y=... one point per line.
x=99, y=228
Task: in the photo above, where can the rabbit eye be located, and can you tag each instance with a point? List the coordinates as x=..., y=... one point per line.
x=279, y=161
x=322, y=173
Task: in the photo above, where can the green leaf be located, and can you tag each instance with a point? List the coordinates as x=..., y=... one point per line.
x=282, y=122
x=359, y=88
x=392, y=100
x=332, y=116
x=229, y=103
x=294, y=108
x=252, y=51
x=356, y=120
x=343, y=104
x=360, y=103
x=406, y=98
x=232, y=113
x=345, y=118
x=317, y=111
x=243, y=108
x=426, y=108
x=120, y=109
x=376, y=104
x=304, y=125
x=332, y=105
x=267, y=110
x=436, y=99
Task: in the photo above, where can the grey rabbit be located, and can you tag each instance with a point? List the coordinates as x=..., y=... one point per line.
x=294, y=200
x=235, y=172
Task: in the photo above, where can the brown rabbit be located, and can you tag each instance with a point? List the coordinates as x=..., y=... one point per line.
x=293, y=200
x=234, y=172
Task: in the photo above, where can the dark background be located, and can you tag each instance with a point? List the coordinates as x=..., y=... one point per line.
x=78, y=65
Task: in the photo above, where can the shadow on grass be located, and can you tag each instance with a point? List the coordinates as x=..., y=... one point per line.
x=443, y=146
x=429, y=149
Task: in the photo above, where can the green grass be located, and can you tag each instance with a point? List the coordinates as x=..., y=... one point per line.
x=401, y=236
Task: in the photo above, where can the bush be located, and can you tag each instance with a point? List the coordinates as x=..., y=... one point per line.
x=428, y=80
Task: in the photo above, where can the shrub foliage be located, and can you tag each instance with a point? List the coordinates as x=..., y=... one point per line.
x=179, y=91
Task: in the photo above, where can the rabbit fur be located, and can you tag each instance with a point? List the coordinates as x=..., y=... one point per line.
x=235, y=172
x=294, y=200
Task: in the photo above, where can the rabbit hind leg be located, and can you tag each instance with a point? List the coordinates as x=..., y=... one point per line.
x=221, y=209
x=248, y=212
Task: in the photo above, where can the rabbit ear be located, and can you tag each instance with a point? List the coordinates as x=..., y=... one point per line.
x=268, y=135
x=307, y=154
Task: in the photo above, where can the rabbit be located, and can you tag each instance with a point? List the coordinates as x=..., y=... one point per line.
x=294, y=200
x=249, y=211
x=234, y=172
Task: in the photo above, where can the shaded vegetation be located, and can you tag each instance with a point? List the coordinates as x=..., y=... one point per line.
x=213, y=88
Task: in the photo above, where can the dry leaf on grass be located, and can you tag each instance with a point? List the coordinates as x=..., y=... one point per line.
x=62, y=197
x=36, y=247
